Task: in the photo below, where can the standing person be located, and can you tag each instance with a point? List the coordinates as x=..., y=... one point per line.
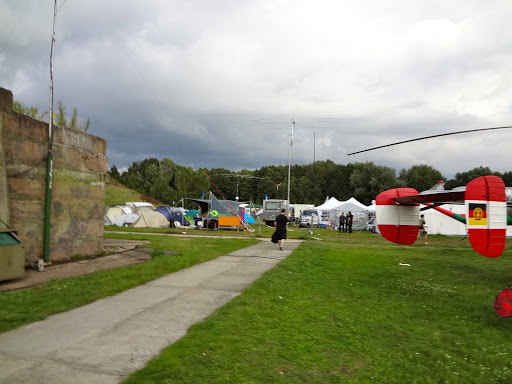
x=423, y=229
x=342, y=222
x=280, y=224
x=348, y=221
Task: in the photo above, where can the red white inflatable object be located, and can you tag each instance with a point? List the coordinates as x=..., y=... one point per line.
x=486, y=215
x=503, y=303
x=397, y=223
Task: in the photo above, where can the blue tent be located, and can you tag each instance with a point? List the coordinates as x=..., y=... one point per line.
x=248, y=218
x=171, y=214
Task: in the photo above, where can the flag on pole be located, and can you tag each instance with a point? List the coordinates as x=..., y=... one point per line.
x=172, y=183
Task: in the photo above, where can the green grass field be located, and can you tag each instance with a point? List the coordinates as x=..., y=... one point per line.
x=349, y=308
x=33, y=304
x=346, y=310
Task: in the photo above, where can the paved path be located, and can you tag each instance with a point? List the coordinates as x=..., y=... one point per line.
x=103, y=342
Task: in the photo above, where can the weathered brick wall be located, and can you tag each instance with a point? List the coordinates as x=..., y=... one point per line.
x=78, y=194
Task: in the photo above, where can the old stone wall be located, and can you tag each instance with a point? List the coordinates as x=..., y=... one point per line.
x=78, y=189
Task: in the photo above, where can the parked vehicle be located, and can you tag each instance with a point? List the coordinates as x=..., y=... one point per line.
x=296, y=210
x=309, y=219
x=272, y=208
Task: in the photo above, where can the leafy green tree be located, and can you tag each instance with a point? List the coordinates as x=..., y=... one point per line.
x=507, y=178
x=420, y=177
x=368, y=180
x=463, y=178
x=225, y=181
x=310, y=183
x=114, y=172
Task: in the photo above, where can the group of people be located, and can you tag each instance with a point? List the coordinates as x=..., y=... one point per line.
x=346, y=222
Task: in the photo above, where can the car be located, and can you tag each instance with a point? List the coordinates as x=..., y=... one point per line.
x=309, y=219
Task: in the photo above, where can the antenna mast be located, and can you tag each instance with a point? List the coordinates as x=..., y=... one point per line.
x=290, y=158
x=49, y=165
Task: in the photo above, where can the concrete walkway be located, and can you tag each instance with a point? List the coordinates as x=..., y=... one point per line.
x=105, y=341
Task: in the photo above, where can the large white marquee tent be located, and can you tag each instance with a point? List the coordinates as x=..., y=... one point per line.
x=330, y=211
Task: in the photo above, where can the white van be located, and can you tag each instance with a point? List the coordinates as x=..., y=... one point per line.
x=309, y=219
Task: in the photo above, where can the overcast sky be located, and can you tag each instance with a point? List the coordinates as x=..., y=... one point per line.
x=217, y=83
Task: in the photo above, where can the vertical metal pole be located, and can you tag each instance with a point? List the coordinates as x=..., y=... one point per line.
x=314, y=140
x=49, y=164
x=290, y=160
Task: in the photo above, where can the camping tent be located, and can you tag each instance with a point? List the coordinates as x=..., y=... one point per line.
x=126, y=220
x=218, y=207
x=173, y=214
x=193, y=212
x=151, y=219
x=359, y=211
x=324, y=210
x=114, y=211
x=106, y=220
x=140, y=207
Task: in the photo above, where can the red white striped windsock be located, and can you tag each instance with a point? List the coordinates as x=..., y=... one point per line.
x=486, y=214
x=398, y=223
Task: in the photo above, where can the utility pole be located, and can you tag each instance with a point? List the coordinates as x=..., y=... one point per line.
x=314, y=140
x=290, y=158
x=49, y=165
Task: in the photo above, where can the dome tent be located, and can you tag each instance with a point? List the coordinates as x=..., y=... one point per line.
x=172, y=214
x=114, y=211
x=151, y=219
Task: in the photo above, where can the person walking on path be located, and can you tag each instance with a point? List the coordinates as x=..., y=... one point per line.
x=280, y=224
x=342, y=222
x=423, y=229
x=349, y=221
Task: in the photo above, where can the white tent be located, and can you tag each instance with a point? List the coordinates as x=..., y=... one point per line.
x=140, y=207
x=115, y=211
x=439, y=224
x=126, y=220
x=324, y=210
x=354, y=201
x=359, y=211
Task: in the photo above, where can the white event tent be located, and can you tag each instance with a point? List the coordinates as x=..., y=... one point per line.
x=325, y=209
x=330, y=211
x=359, y=212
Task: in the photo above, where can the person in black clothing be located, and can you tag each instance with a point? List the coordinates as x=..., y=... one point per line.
x=342, y=222
x=280, y=224
x=349, y=221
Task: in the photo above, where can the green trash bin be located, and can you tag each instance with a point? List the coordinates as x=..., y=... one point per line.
x=12, y=256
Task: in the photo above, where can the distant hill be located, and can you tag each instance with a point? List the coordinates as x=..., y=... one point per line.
x=117, y=193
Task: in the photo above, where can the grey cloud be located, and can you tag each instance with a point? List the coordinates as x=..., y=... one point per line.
x=187, y=80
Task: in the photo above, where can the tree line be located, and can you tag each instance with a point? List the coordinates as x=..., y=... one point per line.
x=310, y=184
